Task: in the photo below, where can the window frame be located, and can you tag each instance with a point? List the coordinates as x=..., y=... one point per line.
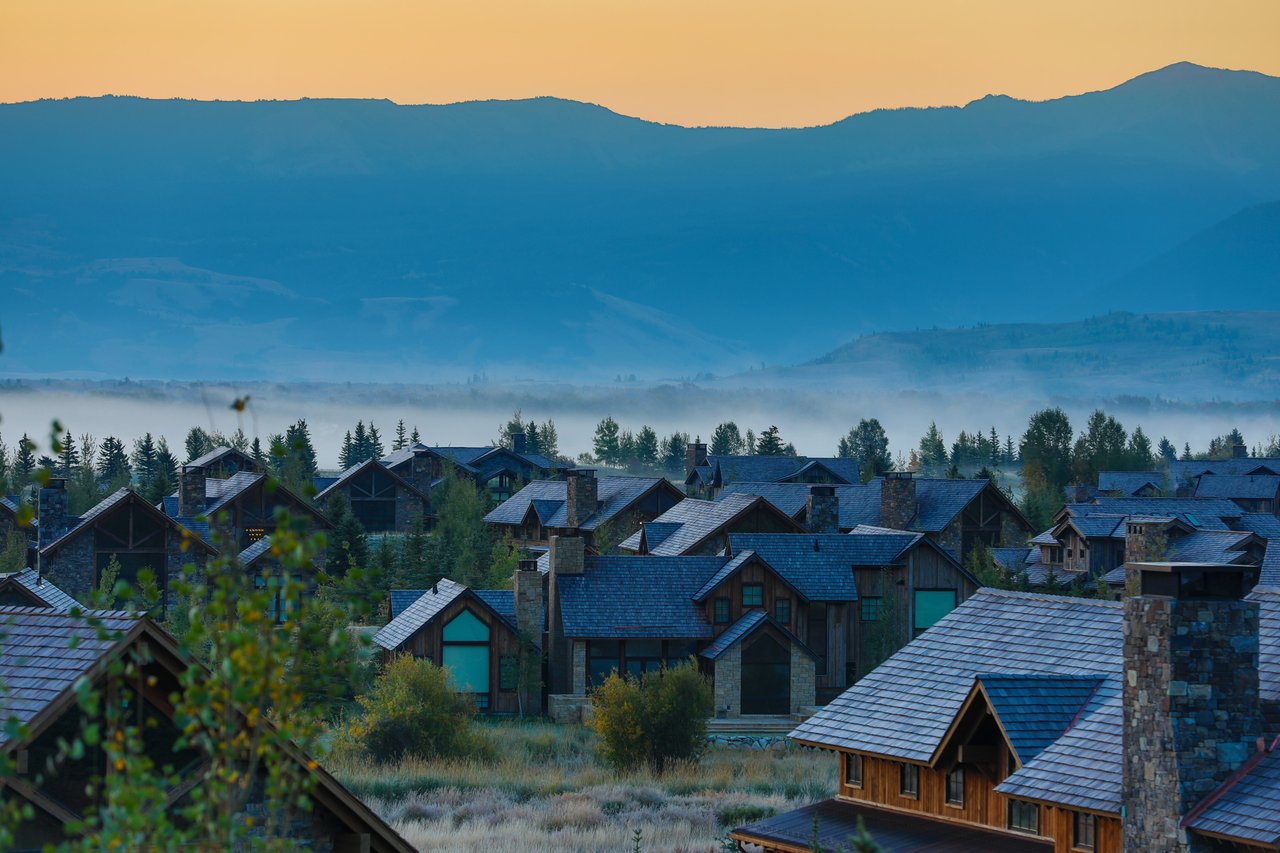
x=758, y=593
x=870, y=608
x=909, y=780
x=718, y=616
x=1090, y=820
x=782, y=611
x=1025, y=808
x=949, y=795
x=852, y=760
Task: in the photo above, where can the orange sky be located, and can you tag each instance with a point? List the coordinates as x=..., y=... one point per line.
x=742, y=62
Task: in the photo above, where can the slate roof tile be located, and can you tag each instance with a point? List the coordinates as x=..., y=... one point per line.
x=1239, y=486
x=613, y=496
x=1130, y=483
x=413, y=617
x=697, y=520
x=45, y=590
x=637, y=597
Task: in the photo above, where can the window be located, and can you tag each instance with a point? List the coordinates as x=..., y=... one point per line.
x=853, y=770
x=642, y=656
x=1055, y=555
x=722, y=611
x=782, y=610
x=466, y=655
x=1024, y=817
x=871, y=608
x=752, y=595
x=603, y=657
x=932, y=605
x=909, y=780
x=955, y=787
x=1083, y=833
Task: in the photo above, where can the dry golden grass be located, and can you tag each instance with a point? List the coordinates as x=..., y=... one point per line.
x=547, y=791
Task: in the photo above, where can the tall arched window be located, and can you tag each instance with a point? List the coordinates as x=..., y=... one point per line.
x=466, y=655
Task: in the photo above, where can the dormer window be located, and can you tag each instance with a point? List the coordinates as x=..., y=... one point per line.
x=752, y=595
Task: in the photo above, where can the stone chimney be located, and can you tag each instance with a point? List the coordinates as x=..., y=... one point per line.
x=823, y=510
x=1144, y=540
x=1192, y=708
x=897, y=500
x=695, y=456
x=52, y=509
x=1239, y=451
x=191, y=499
x=580, y=501
x=519, y=442
x=527, y=585
x=567, y=557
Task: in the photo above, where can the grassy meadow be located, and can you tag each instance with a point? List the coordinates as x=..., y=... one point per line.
x=546, y=790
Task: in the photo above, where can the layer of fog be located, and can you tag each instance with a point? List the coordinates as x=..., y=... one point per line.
x=471, y=415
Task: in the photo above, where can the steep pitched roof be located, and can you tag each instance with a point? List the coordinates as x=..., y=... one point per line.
x=220, y=493
x=43, y=589
x=1189, y=469
x=637, y=597
x=422, y=611
x=549, y=498
x=697, y=521
x=355, y=470
x=1130, y=483
x=1212, y=546
x=122, y=497
x=821, y=565
x=1246, y=808
x=903, y=708
x=1239, y=486
x=255, y=552
x=748, y=624
x=1035, y=710
x=219, y=453
x=1264, y=524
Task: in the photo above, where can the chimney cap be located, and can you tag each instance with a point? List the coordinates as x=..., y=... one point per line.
x=56, y=483
x=582, y=472
x=1194, y=580
x=822, y=490
x=528, y=565
x=899, y=475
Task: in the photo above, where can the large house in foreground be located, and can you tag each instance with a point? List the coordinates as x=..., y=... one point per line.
x=47, y=653
x=1032, y=723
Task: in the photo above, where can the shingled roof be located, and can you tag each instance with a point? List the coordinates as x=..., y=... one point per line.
x=43, y=589
x=748, y=624
x=1239, y=486
x=1130, y=483
x=691, y=523
x=637, y=597
x=549, y=499
x=120, y=498
x=1035, y=710
x=355, y=470
x=1189, y=469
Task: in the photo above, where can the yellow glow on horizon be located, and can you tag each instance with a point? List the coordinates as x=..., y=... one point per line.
x=740, y=62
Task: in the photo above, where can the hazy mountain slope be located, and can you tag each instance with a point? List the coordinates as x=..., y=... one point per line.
x=323, y=239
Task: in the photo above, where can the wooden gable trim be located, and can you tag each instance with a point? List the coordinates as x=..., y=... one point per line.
x=754, y=559
x=946, y=555
x=279, y=490
x=722, y=532
x=975, y=695
x=12, y=584
x=359, y=469
x=130, y=499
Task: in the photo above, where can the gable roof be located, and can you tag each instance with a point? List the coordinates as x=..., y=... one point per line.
x=748, y=624
x=1245, y=808
x=1130, y=483
x=699, y=520
x=220, y=493
x=1204, y=513
x=1239, y=486
x=124, y=496
x=255, y=552
x=428, y=606
x=42, y=589
x=637, y=597
x=355, y=470
x=1189, y=469
x=821, y=565
x=1264, y=524
x=479, y=462
x=1035, y=710
x=219, y=453
x=549, y=499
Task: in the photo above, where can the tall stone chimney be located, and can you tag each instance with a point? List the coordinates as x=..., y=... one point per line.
x=191, y=499
x=1239, y=451
x=582, y=493
x=52, y=509
x=519, y=442
x=527, y=584
x=695, y=456
x=1144, y=540
x=567, y=557
x=823, y=510
x=897, y=500
x=1192, y=708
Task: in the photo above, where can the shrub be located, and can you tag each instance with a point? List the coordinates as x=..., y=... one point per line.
x=654, y=719
x=413, y=710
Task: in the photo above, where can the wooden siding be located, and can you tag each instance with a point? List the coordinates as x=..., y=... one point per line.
x=983, y=806
x=426, y=643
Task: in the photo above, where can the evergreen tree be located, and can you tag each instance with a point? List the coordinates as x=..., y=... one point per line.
x=415, y=437
x=255, y=450
x=506, y=432
x=770, y=443
x=5, y=463
x=1046, y=449
x=401, y=440
x=549, y=440
x=144, y=462
x=673, y=448
x=376, y=448
x=933, y=452
x=239, y=441
x=346, y=455
x=69, y=457
x=412, y=569
x=532, y=438
x=348, y=546
x=1141, y=457
x=359, y=445
x=1010, y=451
x=726, y=440
x=198, y=443
x=867, y=442
x=1102, y=447
x=1168, y=452
x=113, y=464
x=647, y=447
x=627, y=449
x=298, y=440
x=166, y=473
x=606, y=442
x=994, y=442
x=24, y=462
x=749, y=443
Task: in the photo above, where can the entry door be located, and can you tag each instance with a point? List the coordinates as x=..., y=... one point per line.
x=766, y=677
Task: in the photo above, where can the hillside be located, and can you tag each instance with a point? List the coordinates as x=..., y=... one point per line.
x=337, y=239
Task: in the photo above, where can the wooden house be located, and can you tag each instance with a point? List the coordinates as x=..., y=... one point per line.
x=237, y=511
x=382, y=500
x=28, y=589
x=955, y=514
x=496, y=471
x=706, y=475
x=49, y=652
x=1132, y=484
x=602, y=510
x=1028, y=722
x=223, y=463
x=1251, y=492
x=476, y=635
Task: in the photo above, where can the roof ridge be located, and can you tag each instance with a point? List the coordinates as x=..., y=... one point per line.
x=1044, y=596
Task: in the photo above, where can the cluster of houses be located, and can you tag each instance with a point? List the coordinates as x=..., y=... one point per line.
x=1011, y=720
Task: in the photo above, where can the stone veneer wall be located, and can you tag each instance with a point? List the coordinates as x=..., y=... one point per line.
x=1012, y=534
x=409, y=509
x=897, y=502
x=71, y=566
x=1192, y=710
x=728, y=683
x=951, y=537
x=804, y=681
x=580, y=667
x=823, y=513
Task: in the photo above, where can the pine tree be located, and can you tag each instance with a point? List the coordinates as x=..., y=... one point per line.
x=1046, y=449
x=994, y=441
x=673, y=448
x=347, y=454
x=933, y=452
x=415, y=437
x=606, y=443
x=166, y=476
x=770, y=443
x=376, y=449
x=1010, y=451
x=749, y=443
x=402, y=436
x=532, y=438
x=647, y=446
x=1186, y=451
x=867, y=442
x=348, y=545
x=25, y=461
x=198, y=443
x=239, y=441
x=726, y=440
x=255, y=450
x=1141, y=456
x=69, y=457
x=549, y=440
x=298, y=439
x=1167, y=451
x=113, y=464
x=144, y=462
x=627, y=449
x=359, y=445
